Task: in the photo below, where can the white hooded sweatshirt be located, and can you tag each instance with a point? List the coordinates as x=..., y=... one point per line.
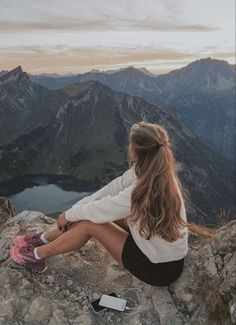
x=113, y=202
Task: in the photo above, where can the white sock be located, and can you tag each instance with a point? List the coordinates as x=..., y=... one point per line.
x=36, y=254
x=44, y=240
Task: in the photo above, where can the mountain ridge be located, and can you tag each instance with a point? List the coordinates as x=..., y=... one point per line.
x=86, y=138
x=202, y=94
x=21, y=105
x=13, y=75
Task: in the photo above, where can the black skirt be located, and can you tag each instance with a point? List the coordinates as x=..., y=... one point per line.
x=156, y=274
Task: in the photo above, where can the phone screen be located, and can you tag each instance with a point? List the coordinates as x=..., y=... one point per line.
x=95, y=303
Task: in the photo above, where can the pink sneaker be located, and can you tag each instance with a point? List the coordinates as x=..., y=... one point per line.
x=24, y=256
x=26, y=240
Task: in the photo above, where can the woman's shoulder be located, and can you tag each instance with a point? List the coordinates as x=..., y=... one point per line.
x=128, y=177
x=133, y=175
x=130, y=173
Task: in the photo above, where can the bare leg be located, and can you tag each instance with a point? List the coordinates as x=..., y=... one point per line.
x=109, y=234
x=53, y=232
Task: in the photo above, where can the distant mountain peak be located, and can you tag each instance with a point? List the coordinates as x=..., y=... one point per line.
x=97, y=85
x=95, y=71
x=130, y=70
x=209, y=59
x=16, y=71
x=14, y=75
x=203, y=68
x=147, y=72
x=78, y=88
x=209, y=62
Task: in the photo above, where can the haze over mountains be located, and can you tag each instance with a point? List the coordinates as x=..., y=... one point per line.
x=201, y=93
x=82, y=130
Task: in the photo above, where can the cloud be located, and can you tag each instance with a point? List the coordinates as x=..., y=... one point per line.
x=106, y=24
x=61, y=59
x=92, y=56
x=222, y=54
x=54, y=36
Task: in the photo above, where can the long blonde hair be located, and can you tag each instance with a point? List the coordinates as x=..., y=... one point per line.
x=155, y=200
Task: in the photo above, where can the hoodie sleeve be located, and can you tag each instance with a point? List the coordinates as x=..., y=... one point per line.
x=112, y=188
x=105, y=209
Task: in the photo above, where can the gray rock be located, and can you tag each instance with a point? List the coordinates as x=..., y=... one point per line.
x=50, y=280
x=85, y=308
x=69, y=283
x=83, y=319
x=165, y=307
x=232, y=310
x=6, y=308
x=58, y=318
x=96, y=296
x=205, y=291
x=40, y=309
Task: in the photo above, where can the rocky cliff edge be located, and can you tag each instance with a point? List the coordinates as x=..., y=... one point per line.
x=204, y=294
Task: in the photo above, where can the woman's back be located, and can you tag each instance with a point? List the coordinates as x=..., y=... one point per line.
x=148, y=195
x=158, y=249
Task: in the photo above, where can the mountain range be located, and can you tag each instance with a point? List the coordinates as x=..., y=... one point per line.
x=24, y=105
x=83, y=133
x=201, y=93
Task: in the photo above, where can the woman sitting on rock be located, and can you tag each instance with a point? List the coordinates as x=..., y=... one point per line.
x=139, y=217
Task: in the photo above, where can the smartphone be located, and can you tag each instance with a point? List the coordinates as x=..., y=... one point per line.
x=96, y=308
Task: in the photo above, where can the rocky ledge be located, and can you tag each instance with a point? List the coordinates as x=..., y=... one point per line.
x=204, y=294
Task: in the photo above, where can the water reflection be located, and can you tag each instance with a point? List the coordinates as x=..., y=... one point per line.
x=40, y=193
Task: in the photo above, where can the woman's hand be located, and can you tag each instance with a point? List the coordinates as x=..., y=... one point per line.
x=62, y=223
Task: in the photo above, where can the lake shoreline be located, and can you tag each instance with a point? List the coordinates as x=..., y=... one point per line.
x=45, y=193
x=68, y=183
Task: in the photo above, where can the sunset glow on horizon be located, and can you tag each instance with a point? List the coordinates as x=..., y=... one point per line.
x=58, y=36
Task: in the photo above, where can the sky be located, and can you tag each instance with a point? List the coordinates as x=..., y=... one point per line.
x=76, y=36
